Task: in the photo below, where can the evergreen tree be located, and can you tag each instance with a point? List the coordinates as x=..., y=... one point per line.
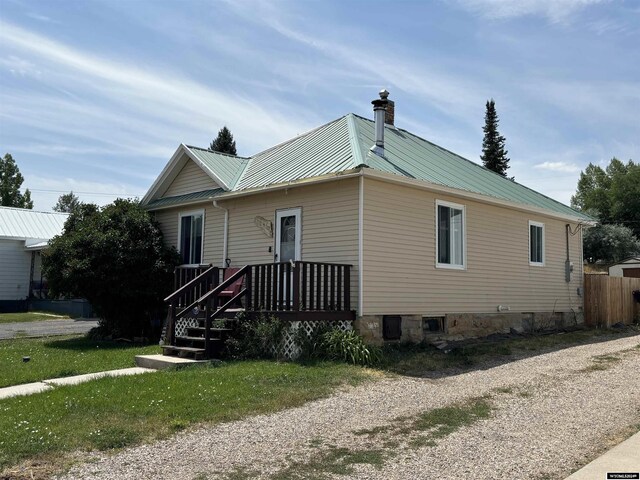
x=224, y=142
x=494, y=155
x=67, y=203
x=10, y=182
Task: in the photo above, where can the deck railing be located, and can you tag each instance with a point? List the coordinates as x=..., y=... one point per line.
x=286, y=288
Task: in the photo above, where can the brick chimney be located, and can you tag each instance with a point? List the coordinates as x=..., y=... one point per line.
x=390, y=112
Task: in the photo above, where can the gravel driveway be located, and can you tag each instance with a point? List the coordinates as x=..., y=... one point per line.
x=550, y=414
x=46, y=328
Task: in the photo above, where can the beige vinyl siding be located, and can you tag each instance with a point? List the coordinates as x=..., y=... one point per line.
x=213, y=229
x=190, y=179
x=399, y=257
x=15, y=268
x=329, y=225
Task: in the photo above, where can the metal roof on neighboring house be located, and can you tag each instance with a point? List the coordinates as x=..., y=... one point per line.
x=344, y=144
x=24, y=224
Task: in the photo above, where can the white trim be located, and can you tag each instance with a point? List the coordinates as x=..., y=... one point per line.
x=463, y=208
x=189, y=214
x=206, y=169
x=287, y=212
x=360, y=244
x=172, y=169
x=541, y=225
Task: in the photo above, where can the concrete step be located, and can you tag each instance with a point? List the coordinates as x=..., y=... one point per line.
x=163, y=362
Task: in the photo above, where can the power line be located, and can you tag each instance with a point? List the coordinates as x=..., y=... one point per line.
x=88, y=193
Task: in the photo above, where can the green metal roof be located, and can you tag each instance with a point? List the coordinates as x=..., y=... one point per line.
x=182, y=199
x=227, y=168
x=411, y=156
x=344, y=144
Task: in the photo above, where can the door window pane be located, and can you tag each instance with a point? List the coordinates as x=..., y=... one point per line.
x=287, y=238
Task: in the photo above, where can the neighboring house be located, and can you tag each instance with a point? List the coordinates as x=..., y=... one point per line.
x=23, y=235
x=437, y=243
x=629, y=267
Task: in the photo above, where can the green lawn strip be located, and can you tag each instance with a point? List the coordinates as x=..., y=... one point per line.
x=117, y=412
x=30, y=317
x=53, y=357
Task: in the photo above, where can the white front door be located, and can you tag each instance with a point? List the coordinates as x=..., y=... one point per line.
x=288, y=230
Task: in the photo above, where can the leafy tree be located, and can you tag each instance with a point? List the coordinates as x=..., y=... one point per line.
x=609, y=243
x=612, y=195
x=116, y=259
x=224, y=142
x=10, y=182
x=494, y=155
x=67, y=203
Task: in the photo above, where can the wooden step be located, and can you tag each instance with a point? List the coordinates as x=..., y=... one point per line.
x=183, y=352
x=193, y=331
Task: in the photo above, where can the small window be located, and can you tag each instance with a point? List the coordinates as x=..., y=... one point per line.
x=190, y=247
x=450, y=235
x=536, y=243
x=433, y=324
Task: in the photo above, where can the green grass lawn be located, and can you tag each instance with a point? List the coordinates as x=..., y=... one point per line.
x=29, y=317
x=53, y=357
x=116, y=412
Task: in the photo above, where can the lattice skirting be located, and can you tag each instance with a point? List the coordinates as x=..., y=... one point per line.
x=183, y=323
x=288, y=347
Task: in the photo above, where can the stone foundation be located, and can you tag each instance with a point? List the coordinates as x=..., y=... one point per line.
x=458, y=326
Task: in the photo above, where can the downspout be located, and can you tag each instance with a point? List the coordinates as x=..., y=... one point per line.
x=360, y=241
x=225, y=235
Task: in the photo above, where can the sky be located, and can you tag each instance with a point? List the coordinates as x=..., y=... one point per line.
x=96, y=96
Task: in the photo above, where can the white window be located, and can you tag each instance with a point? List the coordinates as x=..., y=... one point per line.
x=450, y=235
x=190, y=237
x=536, y=244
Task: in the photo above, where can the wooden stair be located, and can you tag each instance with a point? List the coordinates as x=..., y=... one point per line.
x=192, y=345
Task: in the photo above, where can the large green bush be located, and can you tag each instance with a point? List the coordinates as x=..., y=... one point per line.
x=115, y=258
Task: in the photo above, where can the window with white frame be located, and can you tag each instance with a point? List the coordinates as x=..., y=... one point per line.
x=536, y=243
x=450, y=233
x=190, y=235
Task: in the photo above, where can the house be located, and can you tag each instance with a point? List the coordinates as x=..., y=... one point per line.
x=411, y=239
x=629, y=267
x=23, y=235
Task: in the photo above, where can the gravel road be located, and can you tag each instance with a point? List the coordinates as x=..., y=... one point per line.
x=551, y=414
x=46, y=328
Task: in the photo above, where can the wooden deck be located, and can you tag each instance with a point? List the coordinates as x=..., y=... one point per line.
x=292, y=291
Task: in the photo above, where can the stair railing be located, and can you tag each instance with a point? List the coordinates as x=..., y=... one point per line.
x=209, y=301
x=181, y=296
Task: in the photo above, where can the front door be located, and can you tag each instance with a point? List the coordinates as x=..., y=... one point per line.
x=288, y=229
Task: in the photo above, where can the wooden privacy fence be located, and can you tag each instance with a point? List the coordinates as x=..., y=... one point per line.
x=609, y=300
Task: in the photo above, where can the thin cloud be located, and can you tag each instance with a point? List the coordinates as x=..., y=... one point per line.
x=558, y=167
x=161, y=93
x=555, y=11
